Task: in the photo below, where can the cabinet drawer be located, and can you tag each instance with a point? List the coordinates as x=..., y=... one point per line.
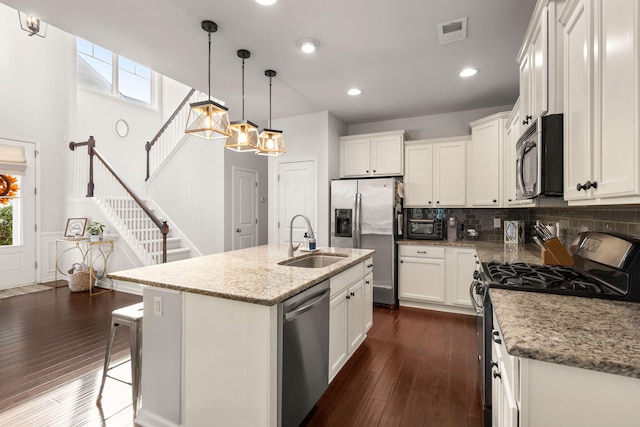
x=421, y=251
x=368, y=266
x=341, y=281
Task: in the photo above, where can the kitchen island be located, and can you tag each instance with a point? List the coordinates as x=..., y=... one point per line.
x=210, y=334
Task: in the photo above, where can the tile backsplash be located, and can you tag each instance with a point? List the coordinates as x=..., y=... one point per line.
x=623, y=219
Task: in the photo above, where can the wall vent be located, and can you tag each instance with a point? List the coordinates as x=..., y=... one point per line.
x=452, y=31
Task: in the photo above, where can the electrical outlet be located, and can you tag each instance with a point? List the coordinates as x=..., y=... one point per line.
x=157, y=306
x=497, y=223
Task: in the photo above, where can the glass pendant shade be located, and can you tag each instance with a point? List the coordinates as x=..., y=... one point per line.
x=208, y=120
x=271, y=143
x=244, y=136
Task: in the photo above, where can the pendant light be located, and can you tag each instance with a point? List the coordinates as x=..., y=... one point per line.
x=208, y=119
x=244, y=134
x=271, y=141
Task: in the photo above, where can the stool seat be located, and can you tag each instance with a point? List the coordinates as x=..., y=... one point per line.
x=130, y=316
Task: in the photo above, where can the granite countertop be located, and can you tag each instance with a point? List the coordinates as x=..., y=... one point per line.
x=596, y=334
x=249, y=275
x=489, y=251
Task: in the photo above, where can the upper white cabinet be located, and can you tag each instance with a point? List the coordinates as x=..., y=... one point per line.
x=435, y=172
x=486, y=159
x=602, y=101
x=376, y=154
x=540, y=65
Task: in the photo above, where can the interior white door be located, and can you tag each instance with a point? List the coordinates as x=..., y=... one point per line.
x=18, y=259
x=244, y=208
x=296, y=195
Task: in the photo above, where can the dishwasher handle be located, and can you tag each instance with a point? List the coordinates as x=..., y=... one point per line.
x=306, y=307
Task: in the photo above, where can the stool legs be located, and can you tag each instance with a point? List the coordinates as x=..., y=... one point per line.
x=135, y=336
x=107, y=359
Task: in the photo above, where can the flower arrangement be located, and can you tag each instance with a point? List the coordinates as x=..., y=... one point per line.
x=95, y=229
x=8, y=188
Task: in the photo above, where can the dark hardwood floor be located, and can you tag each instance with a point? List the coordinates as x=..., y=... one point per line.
x=416, y=368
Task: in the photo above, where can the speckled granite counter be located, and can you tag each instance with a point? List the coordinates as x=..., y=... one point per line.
x=588, y=333
x=489, y=251
x=250, y=275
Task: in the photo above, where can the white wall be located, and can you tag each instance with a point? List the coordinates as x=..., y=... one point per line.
x=308, y=137
x=433, y=126
x=191, y=190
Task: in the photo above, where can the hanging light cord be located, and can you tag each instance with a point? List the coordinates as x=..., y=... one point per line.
x=209, y=74
x=242, y=89
x=270, y=102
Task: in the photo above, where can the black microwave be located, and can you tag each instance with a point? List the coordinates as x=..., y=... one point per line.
x=421, y=224
x=539, y=159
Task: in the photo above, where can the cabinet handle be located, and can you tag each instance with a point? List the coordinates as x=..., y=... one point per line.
x=369, y=265
x=509, y=200
x=352, y=294
x=497, y=375
x=367, y=171
x=374, y=171
x=429, y=202
x=587, y=185
x=438, y=201
x=494, y=364
x=401, y=261
x=348, y=296
x=494, y=200
x=422, y=252
x=366, y=281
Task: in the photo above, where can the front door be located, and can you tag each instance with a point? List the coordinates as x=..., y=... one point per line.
x=296, y=195
x=17, y=220
x=244, y=205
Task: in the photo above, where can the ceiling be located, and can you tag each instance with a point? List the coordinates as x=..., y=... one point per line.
x=389, y=49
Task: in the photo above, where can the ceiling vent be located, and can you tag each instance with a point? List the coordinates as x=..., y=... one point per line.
x=452, y=31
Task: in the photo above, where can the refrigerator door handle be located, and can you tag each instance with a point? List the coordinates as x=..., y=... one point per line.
x=358, y=200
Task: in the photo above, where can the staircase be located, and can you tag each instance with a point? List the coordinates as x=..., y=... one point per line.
x=141, y=232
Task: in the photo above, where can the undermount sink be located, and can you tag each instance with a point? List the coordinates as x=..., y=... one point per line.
x=313, y=261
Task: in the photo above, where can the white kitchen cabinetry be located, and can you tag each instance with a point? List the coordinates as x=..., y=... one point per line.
x=540, y=66
x=461, y=262
x=533, y=393
x=350, y=311
x=436, y=277
x=435, y=172
x=486, y=160
x=378, y=154
x=602, y=92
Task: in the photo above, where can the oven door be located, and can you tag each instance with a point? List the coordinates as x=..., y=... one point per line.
x=528, y=167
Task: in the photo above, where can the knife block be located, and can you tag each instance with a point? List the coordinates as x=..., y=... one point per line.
x=556, y=254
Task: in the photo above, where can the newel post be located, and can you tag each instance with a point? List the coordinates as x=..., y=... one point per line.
x=91, y=143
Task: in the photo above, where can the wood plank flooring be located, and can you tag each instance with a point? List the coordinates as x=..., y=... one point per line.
x=416, y=368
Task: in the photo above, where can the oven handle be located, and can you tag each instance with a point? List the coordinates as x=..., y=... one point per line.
x=526, y=147
x=472, y=292
x=426, y=221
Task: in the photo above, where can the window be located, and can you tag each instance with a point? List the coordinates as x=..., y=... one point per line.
x=103, y=71
x=9, y=210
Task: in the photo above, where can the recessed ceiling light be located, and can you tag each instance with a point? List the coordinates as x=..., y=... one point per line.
x=354, y=91
x=266, y=2
x=308, y=45
x=468, y=72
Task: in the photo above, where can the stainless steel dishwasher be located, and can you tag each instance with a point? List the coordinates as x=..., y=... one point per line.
x=304, y=355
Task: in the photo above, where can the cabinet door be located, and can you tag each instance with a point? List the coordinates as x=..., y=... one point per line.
x=525, y=89
x=485, y=163
x=578, y=70
x=368, y=302
x=418, y=175
x=355, y=157
x=387, y=153
x=338, y=340
x=512, y=133
x=461, y=263
x=540, y=64
x=617, y=80
x=356, y=315
x=450, y=174
x=421, y=279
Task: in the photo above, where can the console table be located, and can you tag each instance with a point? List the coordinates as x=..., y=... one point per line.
x=91, y=253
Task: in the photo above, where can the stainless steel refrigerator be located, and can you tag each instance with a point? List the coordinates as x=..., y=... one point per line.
x=364, y=214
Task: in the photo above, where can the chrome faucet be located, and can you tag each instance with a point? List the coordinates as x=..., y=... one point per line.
x=292, y=249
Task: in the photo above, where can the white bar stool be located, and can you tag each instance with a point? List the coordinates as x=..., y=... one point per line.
x=130, y=316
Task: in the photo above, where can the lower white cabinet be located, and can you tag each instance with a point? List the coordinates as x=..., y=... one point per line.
x=350, y=313
x=436, y=277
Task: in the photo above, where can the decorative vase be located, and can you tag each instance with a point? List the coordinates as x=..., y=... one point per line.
x=95, y=237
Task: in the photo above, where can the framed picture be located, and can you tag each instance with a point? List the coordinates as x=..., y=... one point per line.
x=75, y=227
